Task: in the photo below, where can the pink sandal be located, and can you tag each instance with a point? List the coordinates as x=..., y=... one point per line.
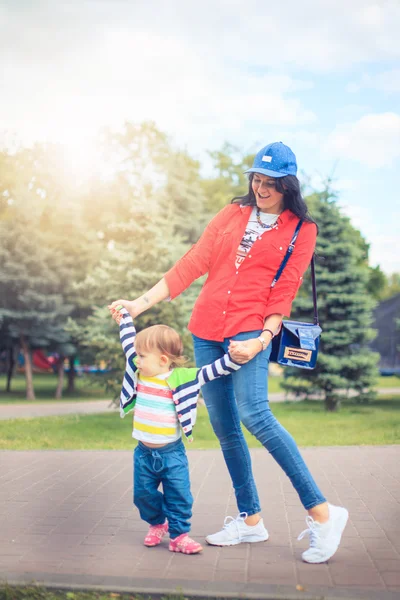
x=183, y=543
x=155, y=534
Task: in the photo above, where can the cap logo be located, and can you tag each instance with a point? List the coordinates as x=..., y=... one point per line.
x=266, y=158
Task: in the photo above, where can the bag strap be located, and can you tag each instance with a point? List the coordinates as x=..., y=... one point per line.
x=283, y=265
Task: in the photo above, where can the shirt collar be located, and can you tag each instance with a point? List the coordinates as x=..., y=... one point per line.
x=285, y=217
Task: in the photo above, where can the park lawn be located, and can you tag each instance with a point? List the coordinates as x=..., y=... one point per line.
x=376, y=423
x=35, y=592
x=389, y=382
x=87, y=388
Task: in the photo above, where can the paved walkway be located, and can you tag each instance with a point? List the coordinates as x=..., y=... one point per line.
x=27, y=410
x=24, y=410
x=66, y=519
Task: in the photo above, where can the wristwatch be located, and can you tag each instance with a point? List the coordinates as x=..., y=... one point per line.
x=263, y=342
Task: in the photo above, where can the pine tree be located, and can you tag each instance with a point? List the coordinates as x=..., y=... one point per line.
x=31, y=306
x=345, y=311
x=43, y=252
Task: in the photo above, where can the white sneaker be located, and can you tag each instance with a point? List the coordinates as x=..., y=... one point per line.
x=236, y=531
x=324, y=537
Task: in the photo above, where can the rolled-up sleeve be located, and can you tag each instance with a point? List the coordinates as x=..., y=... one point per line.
x=282, y=295
x=196, y=261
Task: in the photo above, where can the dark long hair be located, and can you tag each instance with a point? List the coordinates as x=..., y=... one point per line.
x=289, y=186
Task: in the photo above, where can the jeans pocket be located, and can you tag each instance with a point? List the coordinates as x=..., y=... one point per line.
x=180, y=457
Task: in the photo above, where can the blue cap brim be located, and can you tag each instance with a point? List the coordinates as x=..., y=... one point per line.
x=266, y=172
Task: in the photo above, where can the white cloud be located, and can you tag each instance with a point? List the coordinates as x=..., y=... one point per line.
x=147, y=76
x=382, y=252
x=382, y=245
x=373, y=140
x=312, y=35
x=386, y=81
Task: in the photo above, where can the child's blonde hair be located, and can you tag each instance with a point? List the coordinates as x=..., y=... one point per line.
x=164, y=339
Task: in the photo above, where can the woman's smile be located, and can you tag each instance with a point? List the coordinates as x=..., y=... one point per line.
x=268, y=199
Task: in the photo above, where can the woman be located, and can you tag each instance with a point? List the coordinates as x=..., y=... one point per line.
x=238, y=310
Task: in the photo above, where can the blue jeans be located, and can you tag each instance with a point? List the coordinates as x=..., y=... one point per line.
x=167, y=466
x=243, y=397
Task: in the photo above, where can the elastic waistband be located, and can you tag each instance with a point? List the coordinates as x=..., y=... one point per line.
x=167, y=448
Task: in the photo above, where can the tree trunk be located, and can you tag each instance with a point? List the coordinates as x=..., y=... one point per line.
x=71, y=375
x=60, y=375
x=10, y=367
x=332, y=402
x=30, y=393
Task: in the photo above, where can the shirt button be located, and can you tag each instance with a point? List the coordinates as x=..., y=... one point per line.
x=237, y=272
x=280, y=248
x=229, y=291
x=249, y=255
x=223, y=312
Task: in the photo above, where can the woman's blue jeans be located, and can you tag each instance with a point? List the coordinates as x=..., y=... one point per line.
x=243, y=397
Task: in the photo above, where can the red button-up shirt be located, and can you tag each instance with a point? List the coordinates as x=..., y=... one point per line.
x=232, y=299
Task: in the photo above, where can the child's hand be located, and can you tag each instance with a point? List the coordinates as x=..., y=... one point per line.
x=115, y=312
x=134, y=307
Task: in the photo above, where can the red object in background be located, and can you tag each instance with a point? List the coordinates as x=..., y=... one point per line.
x=41, y=361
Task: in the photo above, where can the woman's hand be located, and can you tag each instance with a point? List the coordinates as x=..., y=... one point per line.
x=242, y=352
x=133, y=307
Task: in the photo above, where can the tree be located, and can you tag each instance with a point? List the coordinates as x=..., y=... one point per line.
x=43, y=252
x=31, y=306
x=345, y=311
x=155, y=208
x=377, y=282
x=228, y=179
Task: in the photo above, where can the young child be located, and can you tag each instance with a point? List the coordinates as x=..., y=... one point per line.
x=164, y=397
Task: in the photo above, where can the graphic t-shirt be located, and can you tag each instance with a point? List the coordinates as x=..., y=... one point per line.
x=253, y=231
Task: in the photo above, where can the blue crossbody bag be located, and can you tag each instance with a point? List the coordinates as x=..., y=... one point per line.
x=297, y=343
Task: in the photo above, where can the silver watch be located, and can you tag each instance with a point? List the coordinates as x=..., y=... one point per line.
x=263, y=342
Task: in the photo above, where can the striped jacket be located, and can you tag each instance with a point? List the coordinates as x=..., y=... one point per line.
x=185, y=383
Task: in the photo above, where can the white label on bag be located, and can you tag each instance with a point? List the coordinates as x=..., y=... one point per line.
x=297, y=354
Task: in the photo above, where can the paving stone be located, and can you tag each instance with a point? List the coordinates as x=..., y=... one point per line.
x=71, y=518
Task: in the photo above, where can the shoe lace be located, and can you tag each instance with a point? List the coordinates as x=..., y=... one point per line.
x=234, y=523
x=311, y=531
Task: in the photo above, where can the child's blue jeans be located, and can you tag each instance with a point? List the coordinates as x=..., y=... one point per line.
x=243, y=397
x=167, y=466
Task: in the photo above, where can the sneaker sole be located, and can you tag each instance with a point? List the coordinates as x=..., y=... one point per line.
x=183, y=551
x=343, y=523
x=249, y=538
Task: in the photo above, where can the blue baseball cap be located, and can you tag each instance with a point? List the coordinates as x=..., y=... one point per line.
x=275, y=160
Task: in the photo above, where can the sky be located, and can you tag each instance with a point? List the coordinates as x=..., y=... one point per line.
x=320, y=76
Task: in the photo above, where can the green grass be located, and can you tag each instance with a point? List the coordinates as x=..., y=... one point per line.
x=45, y=386
x=274, y=384
x=389, y=382
x=33, y=592
x=376, y=423
x=88, y=388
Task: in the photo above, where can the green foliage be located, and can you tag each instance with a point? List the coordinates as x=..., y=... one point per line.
x=67, y=251
x=345, y=311
x=228, y=180
x=392, y=286
x=382, y=286
x=377, y=282
x=144, y=237
x=31, y=281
